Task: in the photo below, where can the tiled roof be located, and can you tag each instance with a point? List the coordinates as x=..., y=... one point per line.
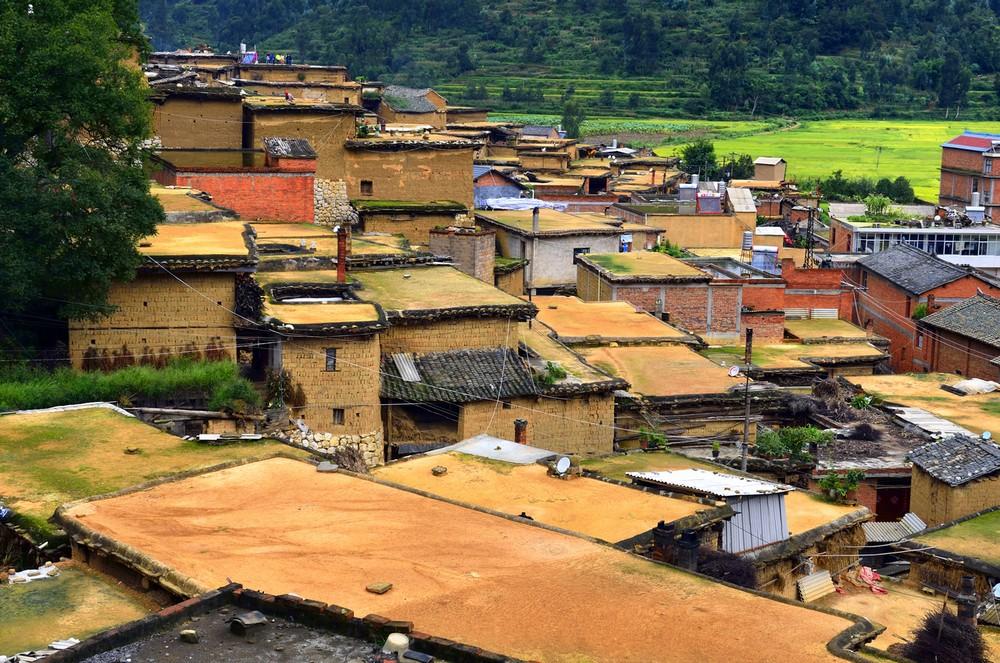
x=408, y=99
x=293, y=148
x=958, y=459
x=977, y=318
x=462, y=376
x=973, y=141
x=913, y=270
x=536, y=130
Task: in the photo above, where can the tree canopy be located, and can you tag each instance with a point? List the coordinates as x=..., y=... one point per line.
x=73, y=114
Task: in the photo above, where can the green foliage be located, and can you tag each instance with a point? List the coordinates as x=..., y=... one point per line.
x=652, y=439
x=572, y=119
x=698, y=157
x=553, y=373
x=841, y=484
x=866, y=401
x=877, y=205
x=920, y=311
x=24, y=388
x=790, y=442
x=670, y=249
x=73, y=113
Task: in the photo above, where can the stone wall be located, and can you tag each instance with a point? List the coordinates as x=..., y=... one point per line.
x=370, y=444
x=332, y=205
x=936, y=502
x=474, y=251
x=157, y=315
x=448, y=335
x=353, y=389
x=582, y=425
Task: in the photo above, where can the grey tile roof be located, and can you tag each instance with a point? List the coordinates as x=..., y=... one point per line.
x=536, y=130
x=977, y=318
x=295, y=148
x=461, y=376
x=913, y=270
x=408, y=99
x=958, y=460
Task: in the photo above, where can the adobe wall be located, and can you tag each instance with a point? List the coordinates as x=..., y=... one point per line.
x=416, y=227
x=151, y=345
x=255, y=196
x=157, y=315
x=194, y=123
x=936, y=502
x=952, y=353
x=512, y=283
x=836, y=553
x=448, y=335
x=278, y=73
x=473, y=251
x=581, y=425
x=590, y=287
x=416, y=175
x=702, y=230
x=325, y=132
x=353, y=387
x=944, y=574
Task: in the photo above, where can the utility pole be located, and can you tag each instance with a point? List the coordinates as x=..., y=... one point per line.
x=748, y=353
x=810, y=260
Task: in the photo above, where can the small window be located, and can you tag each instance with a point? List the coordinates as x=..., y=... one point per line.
x=338, y=416
x=367, y=189
x=580, y=251
x=145, y=303
x=331, y=359
x=987, y=166
x=920, y=339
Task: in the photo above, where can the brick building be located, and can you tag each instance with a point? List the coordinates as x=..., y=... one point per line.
x=964, y=338
x=687, y=296
x=897, y=283
x=157, y=317
x=954, y=477
x=969, y=171
x=816, y=290
x=274, y=184
x=550, y=242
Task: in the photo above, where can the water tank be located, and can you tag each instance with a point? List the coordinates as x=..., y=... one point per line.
x=747, y=240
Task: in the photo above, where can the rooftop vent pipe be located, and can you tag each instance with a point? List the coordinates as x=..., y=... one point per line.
x=341, y=254
x=521, y=431
x=535, y=226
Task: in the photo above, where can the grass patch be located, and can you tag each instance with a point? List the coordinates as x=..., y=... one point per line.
x=611, y=263
x=976, y=537
x=218, y=382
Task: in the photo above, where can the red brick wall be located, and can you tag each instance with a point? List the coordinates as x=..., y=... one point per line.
x=688, y=306
x=256, y=195
x=762, y=297
x=816, y=288
x=726, y=308
x=950, y=353
x=768, y=326
x=957, y=187
x=840, y=238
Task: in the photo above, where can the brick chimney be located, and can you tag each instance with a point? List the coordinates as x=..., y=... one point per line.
x=521, y=431
x=967, y=601
x=341, y=254
x=687, y=550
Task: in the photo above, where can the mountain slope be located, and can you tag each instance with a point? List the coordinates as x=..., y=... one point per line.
x=654, y=56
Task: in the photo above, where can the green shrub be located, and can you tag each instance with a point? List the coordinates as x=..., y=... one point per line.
x=219, y=382
x=920, y=311
x=652, y=439
x=841, y=484
x=790, y=442
x=866, y=401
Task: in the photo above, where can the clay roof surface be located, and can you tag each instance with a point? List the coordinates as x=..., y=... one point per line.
x=913, y=270
x=196, y=239
x=958, y=459
x=421, y=288
x=977, y=318
x=550, y=222
x=461, y=376
x=573, y=318
x=645, y=264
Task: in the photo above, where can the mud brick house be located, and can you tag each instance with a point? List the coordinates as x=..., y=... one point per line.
x=472, y=249
x=656, y=282
x=769, y=168
x=404, y=105
x=410, y=167
x=158, y=317
x=302, y=81
x=892, y=284
x=313, y=326
x=550, y=242
x=969, y=172
x=275, y=183
x=964, y=338
x=326, y=126
x=414, y=220
x=190, y=117
x=954, y=477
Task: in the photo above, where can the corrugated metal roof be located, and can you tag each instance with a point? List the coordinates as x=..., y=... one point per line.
x=815, y=586
x=928, y=421
x=496, y=448
x=480, y=170
x=897, y=530
x=407, y=369
x=769, y=231
x=741, y=200
x=711, y=483
x=973, y=141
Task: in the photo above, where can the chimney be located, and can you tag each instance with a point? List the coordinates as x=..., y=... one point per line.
x=521, y=431
x=967, y=601
x=341, y=254
x=534, y=220
x=663, y=542
x=687, y=550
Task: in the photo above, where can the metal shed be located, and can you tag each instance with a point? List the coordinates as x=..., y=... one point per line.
x=759, y=505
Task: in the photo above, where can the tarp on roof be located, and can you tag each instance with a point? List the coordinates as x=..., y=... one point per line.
x=523, y=204
x=495, y=448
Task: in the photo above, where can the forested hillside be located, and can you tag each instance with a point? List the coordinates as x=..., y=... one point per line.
x=653, y=56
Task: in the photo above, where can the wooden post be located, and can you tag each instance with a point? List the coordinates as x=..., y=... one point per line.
x=748, y=353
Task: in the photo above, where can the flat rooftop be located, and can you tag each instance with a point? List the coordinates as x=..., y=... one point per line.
x=51, y=457
x=537, y=339
x=550, y=222
x=646, y=265
x=506, y=586
x=662, y=370
x=278, y=241
x=337, y=313
x=75, y=604
x=794, y=355
x=224, y=238
x=423, y=288
x=573, y=319
x=805, y=511
x=595, y=508
x=977, y=413
x=976, y=537
x=823, y=328
x=180, y=199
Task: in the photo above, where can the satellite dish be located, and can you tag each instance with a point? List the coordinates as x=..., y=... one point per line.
x=562, y=465
x=734, y=371
x=987, y=435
